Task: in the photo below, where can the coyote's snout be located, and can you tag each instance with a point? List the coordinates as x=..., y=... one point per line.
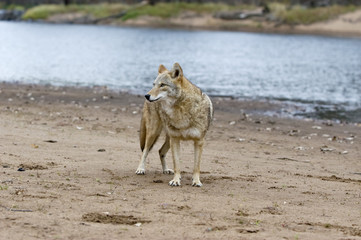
x=183, y=111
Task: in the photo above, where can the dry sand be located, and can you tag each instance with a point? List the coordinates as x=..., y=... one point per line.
x=264, y=177
x=345, y=25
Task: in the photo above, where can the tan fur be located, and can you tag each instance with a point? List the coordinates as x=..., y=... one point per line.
x=183, y=111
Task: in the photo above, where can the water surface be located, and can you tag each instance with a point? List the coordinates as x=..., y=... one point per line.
x=320, y=74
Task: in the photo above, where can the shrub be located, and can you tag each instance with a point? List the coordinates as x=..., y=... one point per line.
x=302, y=15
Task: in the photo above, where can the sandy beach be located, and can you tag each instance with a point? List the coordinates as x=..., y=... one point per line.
x=68, y=158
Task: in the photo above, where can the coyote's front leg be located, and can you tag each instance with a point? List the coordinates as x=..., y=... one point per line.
x=162, y=153
x=175, y=147
x=198, y=149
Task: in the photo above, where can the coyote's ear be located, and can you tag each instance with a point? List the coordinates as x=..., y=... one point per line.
x=177, y=71
x=161, y=68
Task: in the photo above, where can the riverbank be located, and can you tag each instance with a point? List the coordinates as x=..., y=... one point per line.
x=344, y=21
x=264, y=177
x=345, y=25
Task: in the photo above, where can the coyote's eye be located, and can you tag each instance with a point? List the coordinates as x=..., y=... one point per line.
x=162, y=85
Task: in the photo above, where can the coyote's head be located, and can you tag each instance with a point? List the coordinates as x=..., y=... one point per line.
x=167, y=84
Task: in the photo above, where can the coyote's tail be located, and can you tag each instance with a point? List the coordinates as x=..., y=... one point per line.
x=142, y=134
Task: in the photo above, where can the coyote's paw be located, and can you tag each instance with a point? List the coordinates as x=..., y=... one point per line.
x=175, y=183
x=168, y=171
x=197, y=184
x=140, y=171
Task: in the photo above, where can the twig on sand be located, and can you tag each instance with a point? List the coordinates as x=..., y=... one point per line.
x=16, y=210
x=294, y=160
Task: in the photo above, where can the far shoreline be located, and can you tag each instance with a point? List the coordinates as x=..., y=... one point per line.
x=283, y=30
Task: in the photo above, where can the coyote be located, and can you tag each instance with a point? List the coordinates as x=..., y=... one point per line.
x=179, y=107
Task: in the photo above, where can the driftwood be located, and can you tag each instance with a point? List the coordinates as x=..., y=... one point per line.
x=119, y=15
x=237, y=15
x=16, y=210
x=242, y=15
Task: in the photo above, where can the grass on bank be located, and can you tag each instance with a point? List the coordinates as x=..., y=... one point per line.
x=301, y=15
x=163, y=10
x=95, y=10
x=281, y=12
x=167, y=10
x=12, y=7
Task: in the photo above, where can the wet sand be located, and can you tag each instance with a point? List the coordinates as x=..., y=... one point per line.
x=264, y=177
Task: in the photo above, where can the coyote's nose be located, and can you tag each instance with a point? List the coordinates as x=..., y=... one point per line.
x=147, y=97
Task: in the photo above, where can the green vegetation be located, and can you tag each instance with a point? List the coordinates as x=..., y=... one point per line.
x=15, y=7
x=162, y=10
x=281, y=11
x=95, y=10
x=12, y=7
x=43, y=11
x=301, y=15
x=166, y=10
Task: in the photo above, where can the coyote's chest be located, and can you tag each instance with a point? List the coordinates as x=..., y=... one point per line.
x=179, y=122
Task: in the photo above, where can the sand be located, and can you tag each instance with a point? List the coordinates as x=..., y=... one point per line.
x=264, y=177
x=345, y=25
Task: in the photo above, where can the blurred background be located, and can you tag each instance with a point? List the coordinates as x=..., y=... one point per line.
x=304, y=54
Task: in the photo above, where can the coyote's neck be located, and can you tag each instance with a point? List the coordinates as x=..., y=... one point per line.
x=168, y=106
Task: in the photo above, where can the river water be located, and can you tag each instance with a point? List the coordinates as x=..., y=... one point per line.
x=321, y=75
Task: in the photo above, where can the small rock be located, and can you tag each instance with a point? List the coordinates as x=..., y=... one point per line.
x=138, y=224
x=326, y=149
x=21, y=169
x=293, y=132
x=317, y=127
x=101, y=150
x=328, y=123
